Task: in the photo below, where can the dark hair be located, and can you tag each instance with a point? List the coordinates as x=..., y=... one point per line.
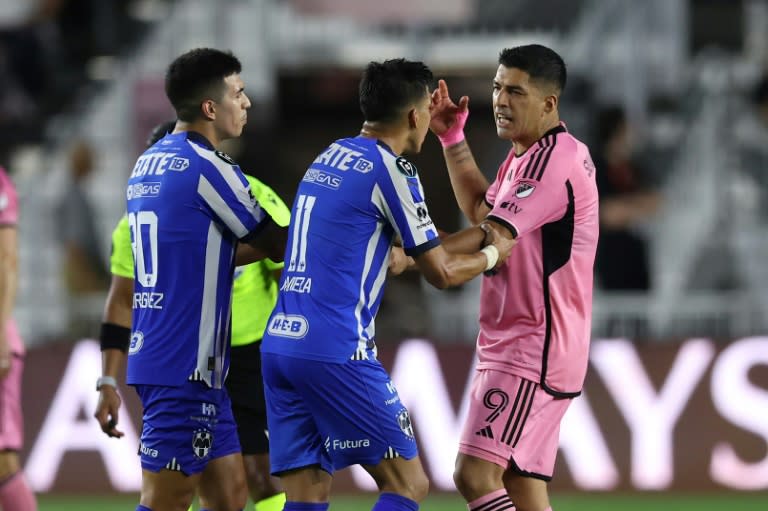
x=159, y=132
x=388, y=87
x=196, y=76
x=541, y=63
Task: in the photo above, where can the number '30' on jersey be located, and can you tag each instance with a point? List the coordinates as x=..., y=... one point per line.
x=187, y=206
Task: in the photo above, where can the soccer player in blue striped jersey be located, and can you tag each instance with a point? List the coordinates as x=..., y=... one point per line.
x=330, y=403
x=188, y=207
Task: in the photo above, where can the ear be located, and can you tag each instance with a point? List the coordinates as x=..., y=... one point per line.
x=413, y=117
x=550, y=103
x=209, y=109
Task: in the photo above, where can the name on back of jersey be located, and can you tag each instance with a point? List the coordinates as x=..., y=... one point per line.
x=148, y=300
x=155, y=164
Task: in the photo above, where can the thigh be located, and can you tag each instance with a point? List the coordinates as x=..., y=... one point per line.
x=222, y=484
x=513, y=423
x=11, y=422
x=401, y=476
x=185, y=428
x=167, y=490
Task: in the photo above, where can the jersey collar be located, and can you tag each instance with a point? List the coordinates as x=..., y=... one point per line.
x=200, y=139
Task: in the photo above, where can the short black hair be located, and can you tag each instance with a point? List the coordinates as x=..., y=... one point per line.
x=160, y=131
x=196, y=76
x=388, y=87
x=541, y=63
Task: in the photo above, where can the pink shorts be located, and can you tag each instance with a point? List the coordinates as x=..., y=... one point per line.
x=513, y=423
x=11, y=425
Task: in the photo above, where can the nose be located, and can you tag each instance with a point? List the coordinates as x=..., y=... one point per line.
x=247, y=103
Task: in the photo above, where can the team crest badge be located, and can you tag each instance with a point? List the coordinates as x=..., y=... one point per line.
x=201, y=443
x=404, y=421
x=405, y=167
x=524, y=190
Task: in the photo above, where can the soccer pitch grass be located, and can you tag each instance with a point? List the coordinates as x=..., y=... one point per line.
x=449, y=502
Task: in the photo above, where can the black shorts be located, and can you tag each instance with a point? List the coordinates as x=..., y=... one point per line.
x=246, y=391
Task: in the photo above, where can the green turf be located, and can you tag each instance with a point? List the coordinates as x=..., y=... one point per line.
x=560, y=502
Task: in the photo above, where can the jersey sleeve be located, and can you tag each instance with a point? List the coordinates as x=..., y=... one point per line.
x=400, y=198
x=275, y=208
x=121, y=258
x=224, y=190
x=9, y=201
x=534, y=200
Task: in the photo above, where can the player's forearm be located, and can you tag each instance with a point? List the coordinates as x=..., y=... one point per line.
x=467, y=241
x=113, y=363
x=469, y=184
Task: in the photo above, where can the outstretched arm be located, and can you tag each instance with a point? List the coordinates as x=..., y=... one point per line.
x=468, y=182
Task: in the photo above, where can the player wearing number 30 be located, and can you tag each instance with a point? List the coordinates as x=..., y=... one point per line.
x=330, y=403
x=188, y=206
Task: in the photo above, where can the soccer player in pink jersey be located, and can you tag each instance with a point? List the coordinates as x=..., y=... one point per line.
x=15, y=493
x=535, y=312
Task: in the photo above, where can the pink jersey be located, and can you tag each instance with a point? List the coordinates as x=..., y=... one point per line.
x=9, y=216
x=536, y=313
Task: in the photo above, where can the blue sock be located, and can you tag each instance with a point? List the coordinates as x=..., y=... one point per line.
x=142, y=508
x=394, y=502
x=305, y=506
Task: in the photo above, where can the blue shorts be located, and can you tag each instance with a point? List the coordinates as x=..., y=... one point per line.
x=333, y=415
x=185, y=427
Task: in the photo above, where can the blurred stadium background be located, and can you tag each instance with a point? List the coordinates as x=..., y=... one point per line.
x=675, y=412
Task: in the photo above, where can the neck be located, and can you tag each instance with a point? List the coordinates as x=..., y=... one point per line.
x=391, y=136
x=205, y=128
x=522, y=145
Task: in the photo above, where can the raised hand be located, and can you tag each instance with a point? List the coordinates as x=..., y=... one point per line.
x=447, y=118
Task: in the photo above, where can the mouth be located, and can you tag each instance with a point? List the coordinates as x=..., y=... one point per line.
x=502, y=121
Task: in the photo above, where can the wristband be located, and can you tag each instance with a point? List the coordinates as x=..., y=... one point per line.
x=492, y=255
x=114, y=336
x=106, y=380
x=455, y=133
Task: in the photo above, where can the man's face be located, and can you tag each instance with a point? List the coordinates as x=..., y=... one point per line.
x=518, y=105
x=422, y=122
x=232, y=108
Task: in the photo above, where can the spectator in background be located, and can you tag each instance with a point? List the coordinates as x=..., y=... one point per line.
x=626, y=200
x=15, y=494
x=85, y=271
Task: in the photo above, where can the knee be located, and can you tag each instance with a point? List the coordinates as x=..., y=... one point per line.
x=472, y=484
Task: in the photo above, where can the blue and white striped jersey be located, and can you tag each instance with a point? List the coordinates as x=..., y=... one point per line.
x=187, y=207
x=353, y=200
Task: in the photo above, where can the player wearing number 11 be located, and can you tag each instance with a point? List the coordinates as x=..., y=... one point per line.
x=330, y=403
x=188, y=206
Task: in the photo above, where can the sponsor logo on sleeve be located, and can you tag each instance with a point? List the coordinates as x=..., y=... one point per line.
x=224, y=156
x=524, y=190
x=405, y=167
